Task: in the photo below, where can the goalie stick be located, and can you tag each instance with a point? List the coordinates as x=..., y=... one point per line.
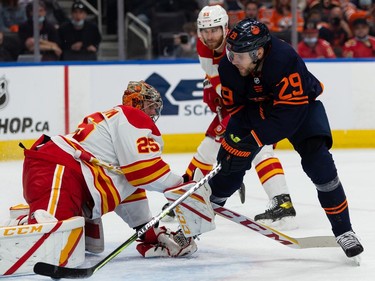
x=292, y=242
x=57, y=272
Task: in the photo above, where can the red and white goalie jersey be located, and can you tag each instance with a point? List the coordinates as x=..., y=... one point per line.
x=125, y=137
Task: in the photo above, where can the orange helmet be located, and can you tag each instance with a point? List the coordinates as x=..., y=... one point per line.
x=138, y=92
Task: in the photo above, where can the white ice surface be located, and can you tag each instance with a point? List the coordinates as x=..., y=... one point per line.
x=233, y=252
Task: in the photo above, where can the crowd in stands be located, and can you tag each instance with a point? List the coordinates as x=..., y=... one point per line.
x=61, y=37
x=326, y=28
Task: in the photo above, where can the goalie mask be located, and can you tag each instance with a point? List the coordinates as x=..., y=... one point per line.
x=143, y=96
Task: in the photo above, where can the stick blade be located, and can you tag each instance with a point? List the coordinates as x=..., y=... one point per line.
x=57, y=272
x=317, y=242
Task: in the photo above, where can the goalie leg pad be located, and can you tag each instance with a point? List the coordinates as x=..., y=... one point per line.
x=195, y=213
x=57, y=242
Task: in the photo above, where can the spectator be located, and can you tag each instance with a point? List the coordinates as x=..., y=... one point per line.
x=251, y=9
x=80, y=38
x=323, y=6
x=48, y=36
x=312, y=46
x=9, y=47
x=235, y=10
x=362, y=45
x=357, y=8
x=315, y=15
x=257, y=11
x=265, y=12
x=55, y=14
x=337, y=32
x=186, y=42
x=281, y=20
x=12, y=14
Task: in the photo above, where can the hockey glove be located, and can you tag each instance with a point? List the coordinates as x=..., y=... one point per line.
x=220, y=129
x=210, y=97
x=162, y=242
x=236, y=154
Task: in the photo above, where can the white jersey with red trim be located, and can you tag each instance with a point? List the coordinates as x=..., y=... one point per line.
x=126, y=137
x=209, y=61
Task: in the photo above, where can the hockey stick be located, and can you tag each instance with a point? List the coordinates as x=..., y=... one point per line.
x=58, y=272
x=292, y=242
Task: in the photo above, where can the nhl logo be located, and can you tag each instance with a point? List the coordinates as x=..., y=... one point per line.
x=256, y=80
x=4, y=95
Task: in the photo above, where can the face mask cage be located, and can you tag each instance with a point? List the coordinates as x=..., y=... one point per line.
x=153, y=100
x=143, y=96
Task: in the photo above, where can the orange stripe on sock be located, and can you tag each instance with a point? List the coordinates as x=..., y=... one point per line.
x=336, y=210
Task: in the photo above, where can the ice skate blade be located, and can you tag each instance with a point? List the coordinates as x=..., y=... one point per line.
x=286, y=223
x=357, y=260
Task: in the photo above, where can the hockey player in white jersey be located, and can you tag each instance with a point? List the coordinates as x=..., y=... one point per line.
x=59, y=178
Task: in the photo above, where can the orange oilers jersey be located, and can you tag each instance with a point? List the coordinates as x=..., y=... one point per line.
x=209, y=61
x=280, y=22
x=125, y=137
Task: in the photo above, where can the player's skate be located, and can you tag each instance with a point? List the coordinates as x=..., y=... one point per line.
x=281, y=213
x=349, y=242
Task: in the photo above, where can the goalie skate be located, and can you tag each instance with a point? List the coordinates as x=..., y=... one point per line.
x=280, y=215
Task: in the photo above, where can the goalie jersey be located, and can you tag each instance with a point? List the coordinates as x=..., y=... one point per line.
x=126, y=137
x=279, y=92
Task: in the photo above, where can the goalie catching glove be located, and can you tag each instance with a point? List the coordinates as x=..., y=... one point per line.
x=162, y=242
x=236, y=154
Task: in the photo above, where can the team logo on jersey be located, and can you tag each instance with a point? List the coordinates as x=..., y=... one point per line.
x=256, y=80
x=233, y=35
x=4, y=95
x=254, y=30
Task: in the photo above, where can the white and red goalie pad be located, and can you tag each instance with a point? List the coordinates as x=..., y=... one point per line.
x=195, y=214
x=60, y=243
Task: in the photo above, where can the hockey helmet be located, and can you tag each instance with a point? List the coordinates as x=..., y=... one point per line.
x=212, y=16
x=138, y=92
x=248, y=35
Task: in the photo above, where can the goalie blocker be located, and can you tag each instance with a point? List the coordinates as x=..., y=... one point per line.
x=195, y=215
x=57, y=242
